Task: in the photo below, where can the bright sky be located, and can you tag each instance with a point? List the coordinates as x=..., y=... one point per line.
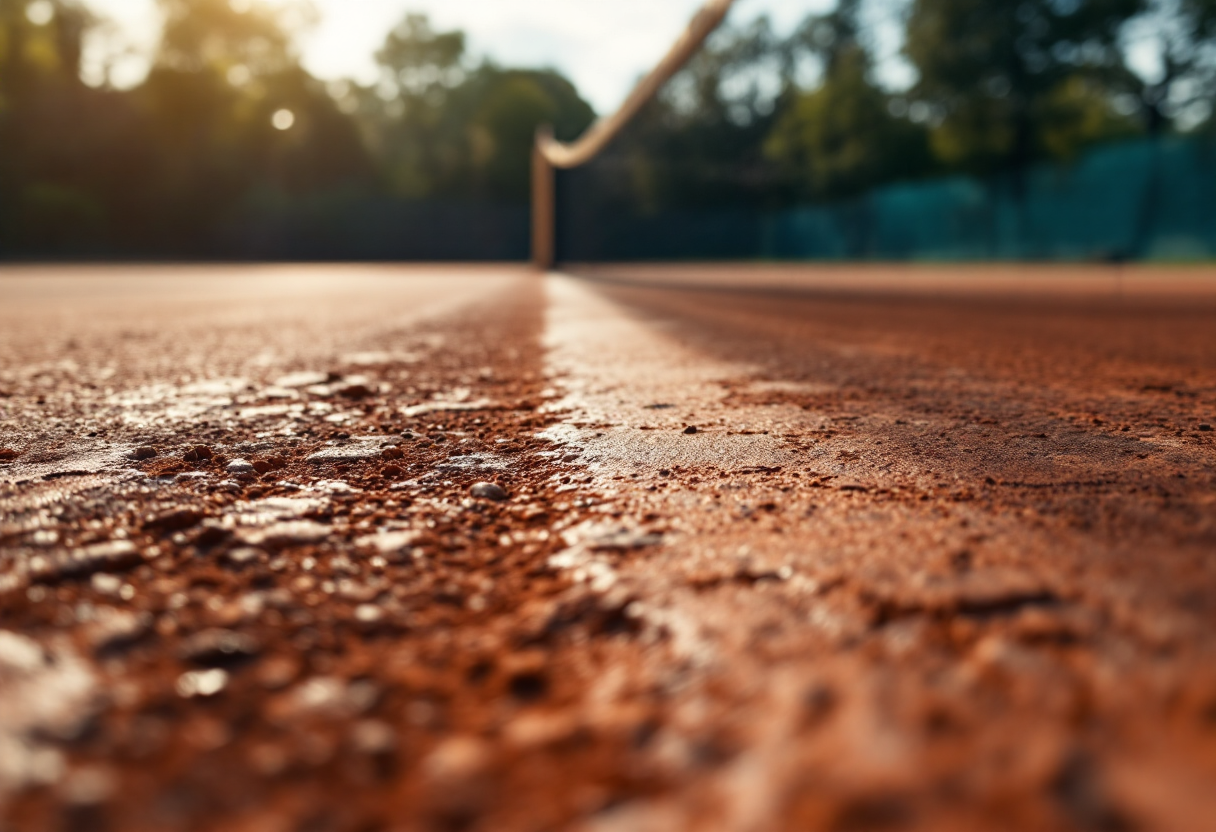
x=602, y=46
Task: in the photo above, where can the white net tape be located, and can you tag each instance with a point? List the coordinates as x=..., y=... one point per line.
x=604, y=130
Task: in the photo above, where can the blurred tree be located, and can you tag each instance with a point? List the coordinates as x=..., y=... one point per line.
x=50, y=176
x=219, y=35
x=1179, y=94
x=453, y=129
x=421, y=61
x=1006, y=82
x=1183, y=35
x=843, y=137
x=406, y=113
x=506, y=107
x=833, y=36
x=222, y=72
x=701, y=142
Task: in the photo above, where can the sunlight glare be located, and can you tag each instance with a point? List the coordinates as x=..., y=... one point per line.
x=40, y=12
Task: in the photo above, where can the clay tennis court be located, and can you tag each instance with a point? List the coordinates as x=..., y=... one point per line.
x=630, y=548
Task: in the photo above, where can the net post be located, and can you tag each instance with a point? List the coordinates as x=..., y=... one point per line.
x=544, y=214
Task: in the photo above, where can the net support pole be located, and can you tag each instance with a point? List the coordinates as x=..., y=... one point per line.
x=544, y=212
x=548, y=154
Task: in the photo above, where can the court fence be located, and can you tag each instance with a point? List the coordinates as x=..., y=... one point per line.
x=1147, y=199
x=1135, y=200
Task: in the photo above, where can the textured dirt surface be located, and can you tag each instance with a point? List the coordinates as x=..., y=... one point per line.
x=336, y=548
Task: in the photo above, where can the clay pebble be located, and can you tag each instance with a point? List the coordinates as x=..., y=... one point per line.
x=488, y=491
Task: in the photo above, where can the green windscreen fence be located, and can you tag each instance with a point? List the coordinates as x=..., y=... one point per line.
x=1140, y=200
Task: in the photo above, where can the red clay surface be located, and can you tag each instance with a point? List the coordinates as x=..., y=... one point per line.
x=933, y=557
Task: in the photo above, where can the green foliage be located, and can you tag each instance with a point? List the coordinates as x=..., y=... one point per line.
x=841, y=139
x=834, y=36
x=166, y=167
x=702, y=141
x=506, y=108
x=1183, y=31
x=1000, y=77
x=422, y=62
x=454, y=129
x=218, y=35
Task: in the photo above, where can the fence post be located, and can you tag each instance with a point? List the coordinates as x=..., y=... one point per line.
x=544, y=214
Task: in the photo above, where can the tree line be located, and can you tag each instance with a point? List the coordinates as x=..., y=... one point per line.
x=228, y=128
